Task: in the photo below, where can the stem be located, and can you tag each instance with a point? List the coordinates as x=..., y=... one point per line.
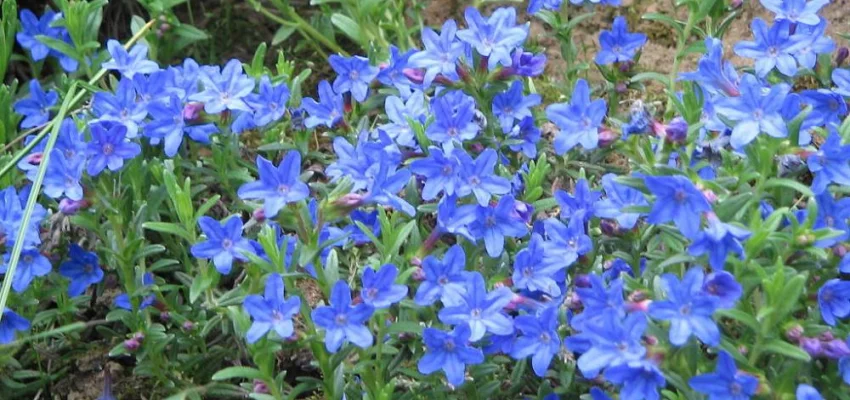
x=303, y=27
x=677, y=60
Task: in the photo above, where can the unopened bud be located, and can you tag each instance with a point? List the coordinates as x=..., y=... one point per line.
x=803, y=240
x=70, y=207
x=35, y=158
x=607, y=137
x=462, y=72
x=139, y=337
x=812, y=346
x=736, y=4
x=582, y=281
x=709, y=195
x=260, y=387
x=259, y=215
x=626, y=66
x=637, y=296
x=188, y=325
x=836, y=349
x=192, y=111
x=347, y=107
x=650, y=340
x=841, y=56
x=350, y=201
x=677, y=131
x=642, y=306
x=418, y=274
x=794, y=333
x=839, y=250
x=164, y=316
x=609, y=227
x=621, y=87
x=417, y=76
x=131, y=345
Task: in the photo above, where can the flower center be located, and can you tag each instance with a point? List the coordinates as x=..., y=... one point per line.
x=527, y=272
x=773, y=51
x=108, y=149
x=443, y=281
x=545, y=338
x=70, y=182
x=449, y=345
x=475, y=313
x=447, y=170
x=474, y=181
x=826, y=295
x=27, y=259
x=685, y=309
x=341, y=320
x=490, y=221
x=735, y=388
x=88, y=268
x=226, y=244
x=758, y=114
x=452, y=132
x=277, y=316
x=282, y=189
x=680, y=196
x=354, y=75
x=372, y=293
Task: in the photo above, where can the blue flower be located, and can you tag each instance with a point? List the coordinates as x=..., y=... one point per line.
x=524, y=137
x=511, y=105
x=454, y=118
x=755, y=111
x=814, y=42
x=481, y=310
x=398, y=111
x=31, y=27
x=277, y=186
x=539, y=339
x=63, y=176
x=834, y=300
x=771, y=48
x=595, y=392
x=455, y=219
x=169, y=126
x=831, y=164
x=479, y=179
x=379, y=288
x=641, y=380
x=358, y=163
x=120, y=107
x=796, y=11
x=12, y=206
x=531, y=273
x=807, y=392
x=726, y=382
x=226, y=89
x=224, y=243
x=36, y=107
x=494, y=38
x=832, y=215
x=618, y=45
x=718, y=240
x=599, y=301
x=450, y=352
x=828, y=107
x=844, y=369
x=526, y=64
x=123, y=300
x=608, y=342
x=578, y=120
x=272, y=311
x=441, y=171
x=444, y=280
x=565, y=242
x=342, y=321
x=844, y=264
x=617, y=198
x=327, y=111
x=384, y=187
x=82, y=269
x=354, y=74
x=534, y=6
x=579, y=205
x=370, y=220
x=9, y=324
x=130, y=63
x=714, y=74
x=270, y=104
x=30, y=265
x=677, y=200
x=393, y=73
x=495, y=223
x=723, y=287
x=841, y=79
x=109, y=148
x=688, y=309
x=157, y=87
x=441, y=53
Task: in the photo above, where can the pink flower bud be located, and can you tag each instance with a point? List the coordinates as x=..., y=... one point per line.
x=260, y=387
x=794, y=333
x=131, y=345
x=418, y=274
x=259, y=215
x=139, y=337
x=417, y=76
x=192, y=111
x=188, y=325
x=841, y=56
x=607, y=137
x=70, y=207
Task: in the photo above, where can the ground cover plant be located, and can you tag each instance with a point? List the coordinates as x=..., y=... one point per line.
x=437, y=215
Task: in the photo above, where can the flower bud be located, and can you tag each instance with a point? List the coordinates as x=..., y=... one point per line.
x=709, y=195
x=650, y=340
x=35, y=158
x=794, y=333
x=812, y=346
x=626, y=66
x=418, y=274
x=523, y=211
x=259, y=215
x=139, y=337
x=188, y=325
x=165, y=316
x=642, y=306
x=463, y=73
x=607, y=137
x=836, y=349
x=582, y=281
x=841, y=55
x=736, y=4
x=609, y=227
x=621, y=87
x=826, y=336
x=131, y=345
x=677, y=130
x=415, y=75
x=70, y=207
x=260, y=387
x=192, y=111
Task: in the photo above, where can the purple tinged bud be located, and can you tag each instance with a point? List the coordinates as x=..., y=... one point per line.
x=677, y=130
x=843, y=53
x=607, y=137
x=736, y=4
x=582, y=281
x=523, y=211
x=651, y=340
x=260, y=387
x=165, y=316
x=139, y=336
x=70, y=207
x=259, y=215
x=188, y=325
x=351, y=200
x=419, y=274
x=609, y=227
x=525, y=64
x=621, y=87
x=626, y=66
x=417, y=76
x=836, y=349
x=812, y=346
x=131, y=344
x=826, y=336
x=192, y=111
x=794, y=333
x=839, y=250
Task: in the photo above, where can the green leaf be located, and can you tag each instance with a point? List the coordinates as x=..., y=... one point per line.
x=788, y=183
x=237, y=372
x=348, y=26
x=168, y=227
x=741, y=317
x=777, y=346
x=282, y=33
x=405, y=327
